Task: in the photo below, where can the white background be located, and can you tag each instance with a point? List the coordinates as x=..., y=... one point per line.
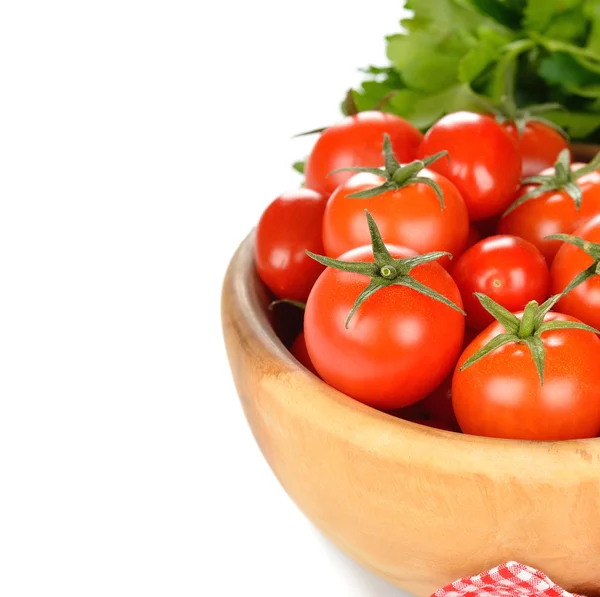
x=139, y=142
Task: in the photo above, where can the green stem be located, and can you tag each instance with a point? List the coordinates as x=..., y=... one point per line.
x=527, y=326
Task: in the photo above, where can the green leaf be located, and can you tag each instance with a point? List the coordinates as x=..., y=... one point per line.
x=474, y=62
x=570, y=26
x=299, y=166
x=502, y=12
x=540, y=13
x=579, y=125
x=592, y=12
x=561, y=68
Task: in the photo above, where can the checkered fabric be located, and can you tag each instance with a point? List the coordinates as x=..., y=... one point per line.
x=507, y=580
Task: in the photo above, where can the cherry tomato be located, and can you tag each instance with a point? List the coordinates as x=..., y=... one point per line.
x=509, y=270
x=438, y=405
x=290, y=225
x=400, y=344
x=501, y=394
x=583, y=301
x=539, y=145
x=357, y=141
x=410, y=216
x=298, y=349
x=553, y=212
x=484, y=164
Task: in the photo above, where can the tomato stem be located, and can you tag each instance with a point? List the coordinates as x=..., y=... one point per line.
x=397, y=176
x=527, y=331
x=527, y=325
x=386, y=271
x=564, y=179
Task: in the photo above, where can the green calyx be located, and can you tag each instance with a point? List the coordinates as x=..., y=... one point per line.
x=563, y=179
x=506, y=109
x=592, y=249
x=528, y=330
x=386, y=271
x=397, y=176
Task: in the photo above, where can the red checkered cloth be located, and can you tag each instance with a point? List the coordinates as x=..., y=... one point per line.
x=507, y=580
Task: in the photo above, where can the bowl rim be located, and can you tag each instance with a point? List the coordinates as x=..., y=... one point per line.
x=244, y=313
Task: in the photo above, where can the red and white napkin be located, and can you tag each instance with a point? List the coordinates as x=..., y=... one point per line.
x=507, y=580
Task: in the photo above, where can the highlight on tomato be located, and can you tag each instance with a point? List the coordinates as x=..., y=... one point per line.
x=484, y=165
x=383, y=324
x=289, y=226
x=575, y=270
x=557, y=201
x=508, y=269
x=413, y=206
x=531, y=375
x=356, y=141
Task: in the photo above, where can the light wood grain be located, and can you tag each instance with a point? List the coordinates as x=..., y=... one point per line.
x=418, y=506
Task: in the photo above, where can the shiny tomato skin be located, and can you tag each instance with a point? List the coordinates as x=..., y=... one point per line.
x=300, y=352
x=410, y=216
x=539, y=145
x=553, y=212
x=583, y=301
x=290, y=225
x=484, y=164
x=399, y=345
x=358, y=141
x=501, y=395
x=508, y=269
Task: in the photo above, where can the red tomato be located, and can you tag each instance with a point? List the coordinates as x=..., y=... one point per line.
x=508, y=269
x=501, y=394
x=410, y=216
x=438, y=405
x=553, y=212
x=289, y=226
x=298, y=349
x=539, y=145
x=400, y=344
x=484, y=164
x=357, y=141
x=583, y=301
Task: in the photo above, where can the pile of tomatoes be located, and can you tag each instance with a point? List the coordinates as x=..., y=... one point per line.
x=449, y=278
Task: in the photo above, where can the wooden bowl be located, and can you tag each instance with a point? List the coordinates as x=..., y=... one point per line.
x=418, y=506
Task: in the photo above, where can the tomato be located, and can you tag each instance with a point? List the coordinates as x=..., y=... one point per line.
x=438, y=405
x=290, y=225
x=399, y=344
x=509, y=270
x=357, y=141
x=539, y=145
x=484, y=164
x=410, y=216
x=298, y=349
x=553, y=212
x=501, y=394
x=583, y=301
